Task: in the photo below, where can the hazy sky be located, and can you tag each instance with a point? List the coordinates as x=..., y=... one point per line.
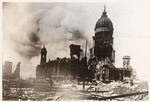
x=28, y=26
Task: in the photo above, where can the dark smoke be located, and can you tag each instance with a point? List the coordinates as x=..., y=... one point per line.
x=32, y=25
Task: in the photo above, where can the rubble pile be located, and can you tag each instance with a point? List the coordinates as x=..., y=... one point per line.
x=127, y=88
x=72, y=90
x=143, y=86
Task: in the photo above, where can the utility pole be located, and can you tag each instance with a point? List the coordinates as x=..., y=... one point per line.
x=86, y=48
x=85, y=66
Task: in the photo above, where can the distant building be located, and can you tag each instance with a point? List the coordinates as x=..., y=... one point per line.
x=7, y=70
x=16, y=73
x=126, y=62
x=126, y=66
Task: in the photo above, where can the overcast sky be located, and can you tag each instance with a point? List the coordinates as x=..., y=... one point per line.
x=28, y=26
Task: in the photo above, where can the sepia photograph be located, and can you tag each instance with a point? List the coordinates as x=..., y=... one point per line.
x=75, y=50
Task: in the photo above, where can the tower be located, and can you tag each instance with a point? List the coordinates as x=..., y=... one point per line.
x=43, y=55
x=126, y=62
x=103, y=39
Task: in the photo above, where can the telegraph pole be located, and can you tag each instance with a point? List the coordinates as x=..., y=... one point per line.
x=86, y=48
x=85, y=65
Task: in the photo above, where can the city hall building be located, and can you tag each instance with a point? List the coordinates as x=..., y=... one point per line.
x=102, y=57
x=102, y=54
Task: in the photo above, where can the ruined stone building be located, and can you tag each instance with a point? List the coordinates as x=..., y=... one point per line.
x=103, y=39
x=75, y=69
x=43, y=68
x=55, y=68
x=102, y=54
x=16, y=73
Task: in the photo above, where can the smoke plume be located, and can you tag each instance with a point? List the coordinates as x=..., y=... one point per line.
x=32, y=25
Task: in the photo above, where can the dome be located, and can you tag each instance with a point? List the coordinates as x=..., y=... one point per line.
x=104, y=23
